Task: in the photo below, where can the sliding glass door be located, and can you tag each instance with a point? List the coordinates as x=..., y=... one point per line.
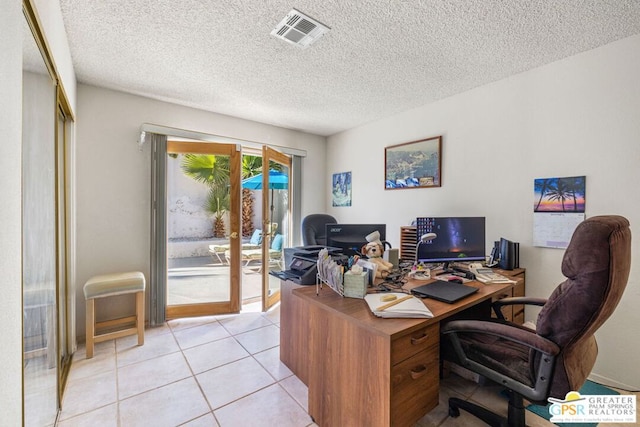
x=221, y=219
x=202, y=229
x=276, y=220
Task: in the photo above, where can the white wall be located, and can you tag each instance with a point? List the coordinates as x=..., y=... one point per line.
x=186, y=198
x=577, y=116
x=50, y=16
x=113, y=176
x=10, y=213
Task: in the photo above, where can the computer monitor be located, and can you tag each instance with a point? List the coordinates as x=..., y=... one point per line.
x=457, y=239
x=352, y=237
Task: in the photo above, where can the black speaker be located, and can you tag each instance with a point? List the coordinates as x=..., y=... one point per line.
x=509, y=254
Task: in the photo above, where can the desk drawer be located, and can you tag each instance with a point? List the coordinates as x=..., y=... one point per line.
x=407, y=345
x=415, y=387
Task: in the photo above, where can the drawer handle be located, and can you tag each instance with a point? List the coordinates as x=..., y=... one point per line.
x=418, y=371
x=419, y=340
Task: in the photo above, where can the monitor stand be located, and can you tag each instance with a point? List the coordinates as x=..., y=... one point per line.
x=446, y=269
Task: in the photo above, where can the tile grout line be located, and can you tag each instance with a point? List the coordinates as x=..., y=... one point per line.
x=115, y=357
x=193, y=376
x=275, y=379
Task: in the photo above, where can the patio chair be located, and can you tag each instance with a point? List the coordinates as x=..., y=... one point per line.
x=217, y=251
x=275, y=252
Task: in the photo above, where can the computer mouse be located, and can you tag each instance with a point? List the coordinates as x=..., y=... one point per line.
x=455, y=279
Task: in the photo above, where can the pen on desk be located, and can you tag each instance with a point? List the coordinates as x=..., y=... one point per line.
x=392, y=303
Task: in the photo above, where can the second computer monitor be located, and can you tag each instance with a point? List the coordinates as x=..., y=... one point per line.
x=457, y=239
x=352, y=237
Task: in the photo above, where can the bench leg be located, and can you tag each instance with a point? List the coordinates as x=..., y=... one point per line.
x=140, y=317
x=90, y=326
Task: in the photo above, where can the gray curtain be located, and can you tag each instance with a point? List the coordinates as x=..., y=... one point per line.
x=158, y=275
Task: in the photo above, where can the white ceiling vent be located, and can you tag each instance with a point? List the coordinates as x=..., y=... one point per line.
x=299, y=29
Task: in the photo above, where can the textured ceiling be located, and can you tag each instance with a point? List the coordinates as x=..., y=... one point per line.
x=380, y=57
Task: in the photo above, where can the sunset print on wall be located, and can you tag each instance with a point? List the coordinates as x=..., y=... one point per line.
x=560, y=194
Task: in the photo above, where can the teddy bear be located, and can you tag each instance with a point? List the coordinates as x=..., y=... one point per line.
x=374, y=251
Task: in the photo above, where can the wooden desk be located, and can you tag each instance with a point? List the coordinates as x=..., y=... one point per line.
x=361, y=369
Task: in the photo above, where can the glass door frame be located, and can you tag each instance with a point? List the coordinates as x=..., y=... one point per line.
x=59, y=305
x=235, y=157
x=271, y=155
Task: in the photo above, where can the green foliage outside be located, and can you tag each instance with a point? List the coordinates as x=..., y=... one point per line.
x=214, y=172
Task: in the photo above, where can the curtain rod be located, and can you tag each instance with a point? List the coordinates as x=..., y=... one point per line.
x=183, y=133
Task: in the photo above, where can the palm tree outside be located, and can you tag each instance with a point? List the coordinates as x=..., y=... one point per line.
x=214, y=172
x=251, y=166
x=217, y=203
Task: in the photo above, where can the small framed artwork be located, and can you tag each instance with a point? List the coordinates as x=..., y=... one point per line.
x=341, y=189
x=416, y=164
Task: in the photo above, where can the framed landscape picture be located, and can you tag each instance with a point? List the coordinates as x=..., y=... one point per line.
x=416, y=164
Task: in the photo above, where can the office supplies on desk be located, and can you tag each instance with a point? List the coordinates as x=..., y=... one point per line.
x=370, y=268
x=448, y=292
x=392, y=303
x=487, y=275
x=406, y=306
x=329, y=272
x=355, y=283
x=509, y=254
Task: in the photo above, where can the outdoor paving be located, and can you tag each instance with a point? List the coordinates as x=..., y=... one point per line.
x=200, y=279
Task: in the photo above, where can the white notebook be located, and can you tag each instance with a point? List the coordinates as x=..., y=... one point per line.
x=411, y=308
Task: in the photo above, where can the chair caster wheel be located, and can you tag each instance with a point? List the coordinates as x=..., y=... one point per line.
x=454, y=412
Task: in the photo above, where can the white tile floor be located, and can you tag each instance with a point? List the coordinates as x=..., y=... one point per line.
x=214, y=371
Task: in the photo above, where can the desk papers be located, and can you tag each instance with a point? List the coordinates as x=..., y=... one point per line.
x=410, y=308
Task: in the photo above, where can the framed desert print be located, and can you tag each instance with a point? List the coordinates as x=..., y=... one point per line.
x=416, y=164
x=341, y=184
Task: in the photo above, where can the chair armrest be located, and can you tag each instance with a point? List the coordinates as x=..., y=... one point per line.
x=509, y=332
x=544, y=363
x=497, y=305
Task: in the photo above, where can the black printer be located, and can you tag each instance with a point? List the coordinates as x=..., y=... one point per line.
x=303, y=271
x=302, y=264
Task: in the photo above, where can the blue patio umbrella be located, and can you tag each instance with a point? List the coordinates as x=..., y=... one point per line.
x=277, y=181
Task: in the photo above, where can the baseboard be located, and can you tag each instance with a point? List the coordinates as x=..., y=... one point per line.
x=611, y=383
x=464, y=372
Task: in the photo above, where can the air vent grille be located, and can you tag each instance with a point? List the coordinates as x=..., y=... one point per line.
x=305, y=26
x=298, y=29
x=294, y=17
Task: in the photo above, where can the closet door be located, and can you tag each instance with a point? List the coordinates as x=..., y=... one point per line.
x=39, y=236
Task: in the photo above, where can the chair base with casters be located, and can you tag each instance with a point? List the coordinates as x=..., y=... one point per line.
x=515, y=418
x=109, y=285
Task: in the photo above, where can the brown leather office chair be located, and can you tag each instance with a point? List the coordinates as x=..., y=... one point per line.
x=558, y=356
x=313, y=229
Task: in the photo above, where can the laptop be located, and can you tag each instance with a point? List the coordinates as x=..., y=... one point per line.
x=449, y=292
